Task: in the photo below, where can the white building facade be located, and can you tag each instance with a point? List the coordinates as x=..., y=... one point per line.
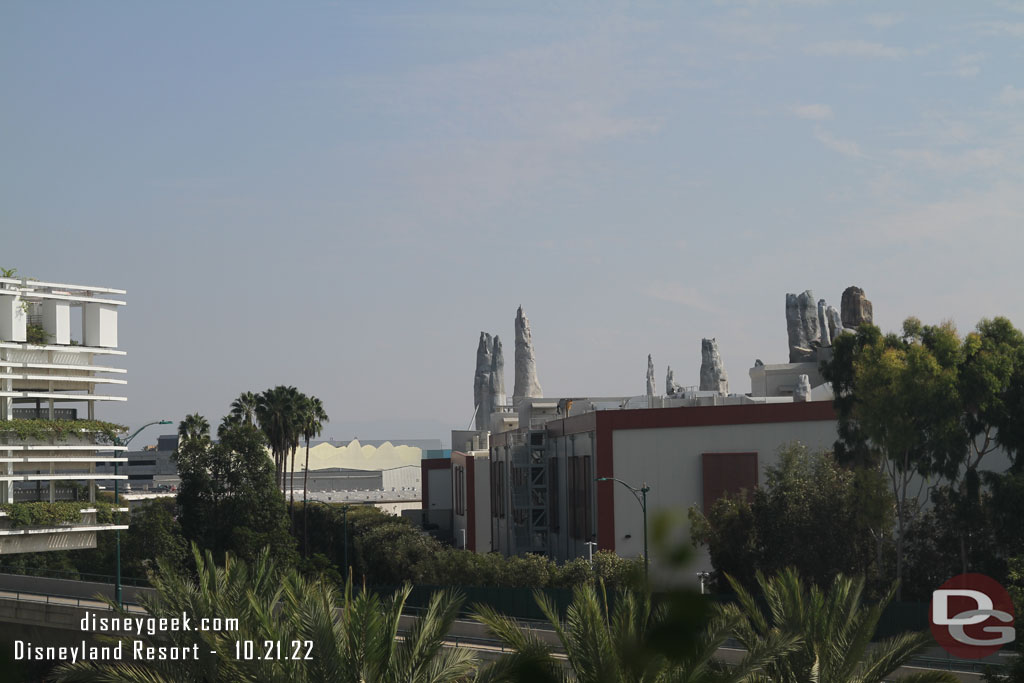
x=51, y=377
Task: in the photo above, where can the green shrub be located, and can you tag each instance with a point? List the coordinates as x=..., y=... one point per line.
x=106, y=513
x=61, y=429
x=44, y=513
x=35, y=334
x=573, y=573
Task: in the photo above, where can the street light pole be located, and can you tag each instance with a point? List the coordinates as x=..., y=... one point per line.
x=117, y=533
x=641, y=497
x=344, y=517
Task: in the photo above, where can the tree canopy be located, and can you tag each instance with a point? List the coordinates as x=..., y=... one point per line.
x=812, y=514
x=926, y=407
x=228, y=497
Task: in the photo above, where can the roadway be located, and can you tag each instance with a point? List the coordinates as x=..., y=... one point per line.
x=60, y=604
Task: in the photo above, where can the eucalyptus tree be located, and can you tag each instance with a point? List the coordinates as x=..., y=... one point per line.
x=228, y=497
x=314, y=419
x=928, y=405
x=899, y=410
x=835, y=631
x=991, y=385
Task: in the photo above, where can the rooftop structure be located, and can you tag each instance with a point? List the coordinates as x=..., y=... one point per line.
x=148, y=469
x=50, y=386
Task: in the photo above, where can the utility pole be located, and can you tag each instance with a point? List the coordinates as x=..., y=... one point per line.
x=117, y=552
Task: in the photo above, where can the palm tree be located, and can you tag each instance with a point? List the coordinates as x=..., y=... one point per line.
x=617, y=644
x=836, y=630
x=301, y=408
x=244, y=407
x=368, y=645
x=227, y=423
x=193, y=428
x=352, y=636
x=314, y=419
x=277, y=410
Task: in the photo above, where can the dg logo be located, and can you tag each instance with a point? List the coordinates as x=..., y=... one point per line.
x=972, y=616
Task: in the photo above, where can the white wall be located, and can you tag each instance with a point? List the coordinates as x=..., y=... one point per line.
x=482, y=501
x=401, y=477
x=57, y=321
x=100, y=325
x=669, y=461
x=440, y=488
x=12, y=318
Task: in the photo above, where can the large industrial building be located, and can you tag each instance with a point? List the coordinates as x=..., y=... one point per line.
x=526, y=480
x=52, y=377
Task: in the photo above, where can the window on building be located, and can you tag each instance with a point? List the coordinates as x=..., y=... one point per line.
x=579, y=482
x=460, y=489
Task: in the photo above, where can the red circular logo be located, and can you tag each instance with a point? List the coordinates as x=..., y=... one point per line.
x=971, y=616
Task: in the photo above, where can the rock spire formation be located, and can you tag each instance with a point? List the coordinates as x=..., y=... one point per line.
x=712, y=372
x=671, y=388
x=650, y=375
x=482, y=380
x=802, y=325
x=835, y=322
x=813, y=326
x=855, y=308
x=498, y=374
x=526, y=385
x=824, y=335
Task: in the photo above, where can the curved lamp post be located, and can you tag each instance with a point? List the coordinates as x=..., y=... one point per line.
x=641, y=497
x=124, y=442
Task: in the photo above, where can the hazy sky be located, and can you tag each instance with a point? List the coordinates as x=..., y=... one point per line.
x=340, y=196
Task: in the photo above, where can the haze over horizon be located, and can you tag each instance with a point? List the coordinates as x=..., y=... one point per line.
x=341, y=197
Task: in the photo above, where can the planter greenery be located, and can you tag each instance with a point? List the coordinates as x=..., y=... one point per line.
x=106, y=513
x=51, y=514
x=35, y=334
x=61, y=429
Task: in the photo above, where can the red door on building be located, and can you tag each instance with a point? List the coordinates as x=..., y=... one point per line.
x=727, y=473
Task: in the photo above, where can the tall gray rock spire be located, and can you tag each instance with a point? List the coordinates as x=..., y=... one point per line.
x=835, y=322
x=671, y=388
x=824, y=334
x=526, y=385
x=650, y=375
x=712, y=372
x=855, y=308
x=497, y=375
x=482, y=398
x=802, y=326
